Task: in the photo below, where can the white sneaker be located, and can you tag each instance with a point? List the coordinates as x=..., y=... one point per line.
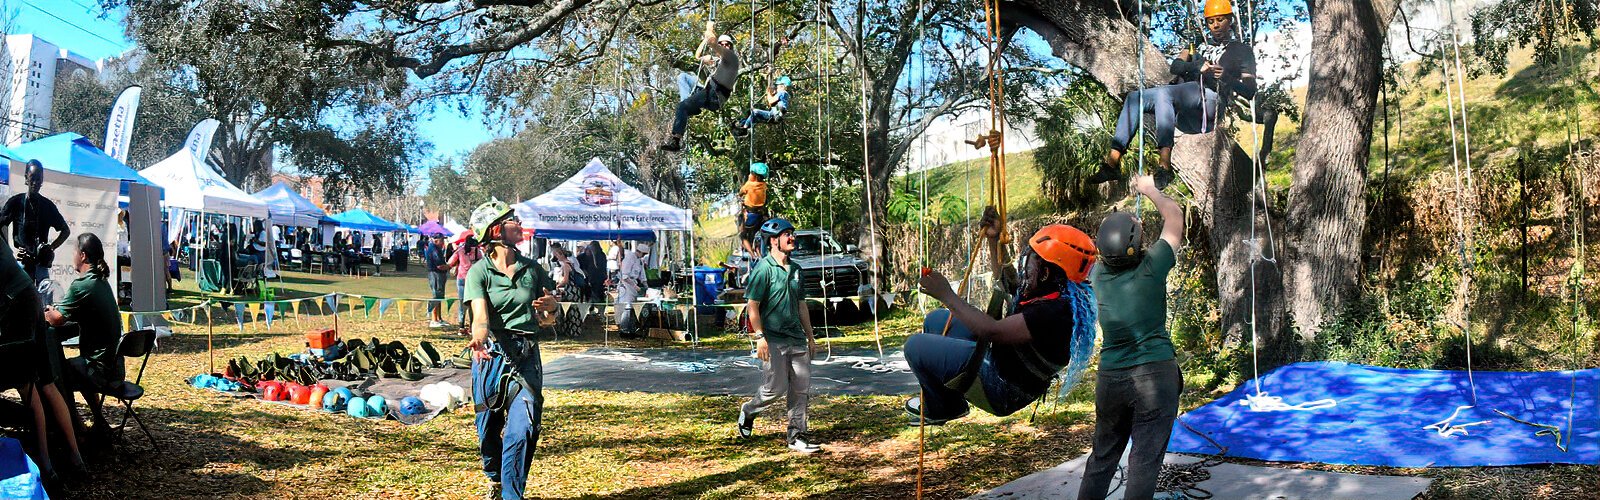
x=802, y=445
x=437, y=324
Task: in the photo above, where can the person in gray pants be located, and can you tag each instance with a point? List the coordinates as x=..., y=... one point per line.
x=1136, y=394
x=781, y=326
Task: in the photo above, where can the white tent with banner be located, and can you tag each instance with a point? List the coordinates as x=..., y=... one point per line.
x=596, y=205
x=192, y=185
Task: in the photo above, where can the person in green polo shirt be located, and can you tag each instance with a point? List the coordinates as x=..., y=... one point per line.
x=781, y=325
x=1136, y=392
x=511, y=299
x=92, y=305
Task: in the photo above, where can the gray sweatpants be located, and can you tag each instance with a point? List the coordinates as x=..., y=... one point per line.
x=786, y=373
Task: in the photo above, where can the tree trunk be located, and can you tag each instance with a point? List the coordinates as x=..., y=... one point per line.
x=1327, y=201
x=1096, y=37
x=878, y=169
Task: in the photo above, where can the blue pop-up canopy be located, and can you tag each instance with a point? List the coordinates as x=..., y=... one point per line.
x=73, y=153
x=362, y=220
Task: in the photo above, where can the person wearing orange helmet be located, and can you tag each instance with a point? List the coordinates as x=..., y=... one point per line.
x=1002, y=365
x=1226, y=67
x=1138, y=383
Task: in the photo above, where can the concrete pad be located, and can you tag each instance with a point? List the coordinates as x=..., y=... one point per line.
x=1228, y=481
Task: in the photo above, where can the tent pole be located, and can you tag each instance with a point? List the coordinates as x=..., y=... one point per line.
x=694, y=291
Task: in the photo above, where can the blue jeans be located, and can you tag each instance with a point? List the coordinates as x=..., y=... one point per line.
x=1185, y=106
x=461, y=307
x=436, y=285
x=937, y=360
x=703, y=98
x=507, y=437
x=762, y=116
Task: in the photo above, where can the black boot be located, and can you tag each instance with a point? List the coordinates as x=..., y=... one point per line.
x=674, y=143
x=1164, y=177
x=1107, y=173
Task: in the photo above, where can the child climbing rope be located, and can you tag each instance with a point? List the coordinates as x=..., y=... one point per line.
x=697, y=96
x=754, y=192
x=1137, y=388
x=1002, y=365
x=1226, y=66
x=777, y=103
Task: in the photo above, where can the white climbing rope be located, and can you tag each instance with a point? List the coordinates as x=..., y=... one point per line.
x=1448, y=429
x=1265, y=402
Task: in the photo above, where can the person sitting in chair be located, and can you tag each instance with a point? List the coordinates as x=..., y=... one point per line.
x=1002, y=365
x=90, y=304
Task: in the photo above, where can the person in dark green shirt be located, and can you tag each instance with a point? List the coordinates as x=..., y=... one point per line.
x=781, y=326
x=1136, y=391
x=511, y=299
x=28, y=359
x=92, y=305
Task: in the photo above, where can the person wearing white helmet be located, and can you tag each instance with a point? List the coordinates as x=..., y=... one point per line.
x=629, y=281
x=697, y=97
x=777, y=104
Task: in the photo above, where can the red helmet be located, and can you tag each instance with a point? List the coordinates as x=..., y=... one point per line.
x=271, y=390
x=317, y=392
x=299, y=394
x=1067, y=247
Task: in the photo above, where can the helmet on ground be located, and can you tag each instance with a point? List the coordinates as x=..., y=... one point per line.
x=457, y=393
x=271, y=390
x=776, y=226
x=356, y=407
x=299, y=394
x=758, y=168
x=1121, y=240
x=411, y=405
x=725, y=39
x=435, y=396
x=783, y=80
x=487, y=217
x=318, y=393
x=1218, y=8
x=334, y=402
x=377, y=406
x=343, y=392
x=1067, y=247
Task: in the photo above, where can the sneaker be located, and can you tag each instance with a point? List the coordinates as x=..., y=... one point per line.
x=746, y=423
x=803, y=444
x=914, y=414
x=1164, y=177
x=739, y=129
x=674, y=143
x=1107, y=173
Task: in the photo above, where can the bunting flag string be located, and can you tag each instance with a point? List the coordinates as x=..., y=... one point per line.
x=367, y=303
x=383, y=306
x=270, y=308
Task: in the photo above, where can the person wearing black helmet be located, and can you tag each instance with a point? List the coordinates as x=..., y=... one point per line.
x=1136, y=391
x=781, y=325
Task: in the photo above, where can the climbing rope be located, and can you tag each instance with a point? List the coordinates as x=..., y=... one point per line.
x=1463, y=235
x=866, y=168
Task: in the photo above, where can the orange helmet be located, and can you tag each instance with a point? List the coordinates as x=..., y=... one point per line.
x=1218, y=8
x=1067, y=247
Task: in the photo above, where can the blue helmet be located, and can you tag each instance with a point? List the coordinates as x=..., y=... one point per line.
x=758, y=168
x=357, y=407
x=783, y=80
x=376, y=406
x=776, y=226
x=412, y=406
x=334, y=402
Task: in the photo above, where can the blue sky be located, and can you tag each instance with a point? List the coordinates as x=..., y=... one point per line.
x=77, y=25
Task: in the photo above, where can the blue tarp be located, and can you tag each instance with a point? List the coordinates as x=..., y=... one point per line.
x=362, y=220
x=19, y=477
x=73, y=153
x=1382, y=412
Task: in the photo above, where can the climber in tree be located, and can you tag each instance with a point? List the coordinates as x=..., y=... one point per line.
x=777, y=103
x=1226, y=66
x=710, y=95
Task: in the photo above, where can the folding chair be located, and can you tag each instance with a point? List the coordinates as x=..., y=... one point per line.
x=136, y=344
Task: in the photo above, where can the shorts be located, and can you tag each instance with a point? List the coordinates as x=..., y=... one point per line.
x=751, y=219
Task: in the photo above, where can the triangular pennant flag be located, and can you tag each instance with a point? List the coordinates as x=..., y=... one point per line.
x=566, y=307
x=368, y=302
x=271, y=307
x=255, y=310
x=384, y=305
x=333, y=303
x=127, y=322
x=583, y=311
x=238, y=314
x=294, y=307
x=739, y=308
x=450, y=304
x=637, y=307
x=891, y=297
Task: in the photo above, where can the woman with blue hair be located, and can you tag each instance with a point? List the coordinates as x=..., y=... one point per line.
x=1002, y=365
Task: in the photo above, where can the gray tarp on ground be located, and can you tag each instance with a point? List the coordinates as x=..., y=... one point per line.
x=722, y=372
x=1230, y=481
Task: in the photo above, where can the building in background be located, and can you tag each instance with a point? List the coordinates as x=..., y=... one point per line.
x=34, y=66
x=945, y=140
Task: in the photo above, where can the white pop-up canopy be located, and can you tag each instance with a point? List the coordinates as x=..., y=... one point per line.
x=595, y=204
x=288, y=208
x=190, y=184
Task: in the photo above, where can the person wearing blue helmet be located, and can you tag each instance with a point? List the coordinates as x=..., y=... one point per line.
x=781, y=327
x=511, y=300
x=777, y=104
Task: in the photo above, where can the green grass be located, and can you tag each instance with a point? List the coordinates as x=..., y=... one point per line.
x=969, y=180
x=609, y=444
